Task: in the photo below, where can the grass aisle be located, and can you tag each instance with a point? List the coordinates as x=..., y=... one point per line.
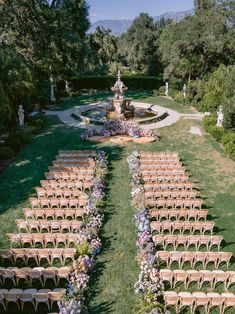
x=116, y=270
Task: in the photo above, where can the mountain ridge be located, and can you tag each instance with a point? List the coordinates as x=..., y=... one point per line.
x=119, y=27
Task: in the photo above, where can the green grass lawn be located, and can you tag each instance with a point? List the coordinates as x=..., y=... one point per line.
x=116, y=270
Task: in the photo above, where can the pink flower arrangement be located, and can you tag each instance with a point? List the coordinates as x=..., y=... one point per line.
x=120, y=127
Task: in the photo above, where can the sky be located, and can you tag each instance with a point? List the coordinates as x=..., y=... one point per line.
x=129, y=9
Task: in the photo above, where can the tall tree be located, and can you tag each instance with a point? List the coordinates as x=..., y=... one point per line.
x=46, y=33
x=198, y=44
x=104, y=50
x=138, y=45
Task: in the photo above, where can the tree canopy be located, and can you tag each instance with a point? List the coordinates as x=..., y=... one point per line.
x=198, y=44
x=46, y=33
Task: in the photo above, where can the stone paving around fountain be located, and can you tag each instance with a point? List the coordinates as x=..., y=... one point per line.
x=172, y=117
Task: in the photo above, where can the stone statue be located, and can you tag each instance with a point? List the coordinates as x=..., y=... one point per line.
x=185, y=91
x=52, y=90
x=21, y=115
x=67, y=87
x=220, y=117
x=167, y=89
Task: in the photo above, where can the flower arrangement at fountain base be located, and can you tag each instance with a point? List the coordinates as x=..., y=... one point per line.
x=123, y=128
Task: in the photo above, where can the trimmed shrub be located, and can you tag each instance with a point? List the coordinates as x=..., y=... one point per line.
x=161, y=91
x=62, y=94
x=17, y=139
x=105, y=82
x=37, y=120
x=6, y=152
x=217, y=133
x=229, y=114
x=228, y=140
x=195, y=92
x=179, y=97
x=230, y=150
x=209, y=122
x=14, y=142
x=173, y=93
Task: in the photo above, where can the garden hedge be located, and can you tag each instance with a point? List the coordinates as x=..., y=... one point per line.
x=104, y=82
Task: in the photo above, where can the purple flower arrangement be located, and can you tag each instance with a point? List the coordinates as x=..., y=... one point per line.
x=120, y=127
x=89, y=242
x=149, y=285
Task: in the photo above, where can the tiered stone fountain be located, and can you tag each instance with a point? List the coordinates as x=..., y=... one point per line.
x=119, y=106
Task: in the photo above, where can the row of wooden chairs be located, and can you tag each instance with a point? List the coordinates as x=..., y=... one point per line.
x=43, y=239
x=159, y=154
x=193, y=258
x=173, y=198
x=60, y=193
x=176, y=203
x=33, y=296
x=54, y=202
x=38, y=255
x=65, y=175
x=200, y=277
x=157, y=162
x=168, y=186
x=187, y=241
x=160, y=172
x=76, y=161
x=170, y=194
x=28, y=275
x=182, y=226
x=61, y=196
x=77, y=153
x=72, y=169
x=48, y=225
x=178, y=214
x=166, y=178
x=159, y=167
x=69, y=184
x=208, y=301
x=53, y=213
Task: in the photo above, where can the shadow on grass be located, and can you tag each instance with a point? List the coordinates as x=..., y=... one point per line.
x=17, y=183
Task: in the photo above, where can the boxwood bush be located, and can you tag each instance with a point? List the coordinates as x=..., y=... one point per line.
x=228, y=140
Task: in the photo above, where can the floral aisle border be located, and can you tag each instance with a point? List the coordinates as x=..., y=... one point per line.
x=88, y=245
x=120, y=127
x=149, y=286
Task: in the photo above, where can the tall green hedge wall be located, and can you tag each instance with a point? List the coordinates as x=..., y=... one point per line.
x=103, y=82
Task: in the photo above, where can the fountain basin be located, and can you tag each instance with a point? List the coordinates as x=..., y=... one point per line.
x=96, y=113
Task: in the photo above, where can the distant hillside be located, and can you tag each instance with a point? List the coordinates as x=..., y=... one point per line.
x=175, y=16
x=118, y=27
